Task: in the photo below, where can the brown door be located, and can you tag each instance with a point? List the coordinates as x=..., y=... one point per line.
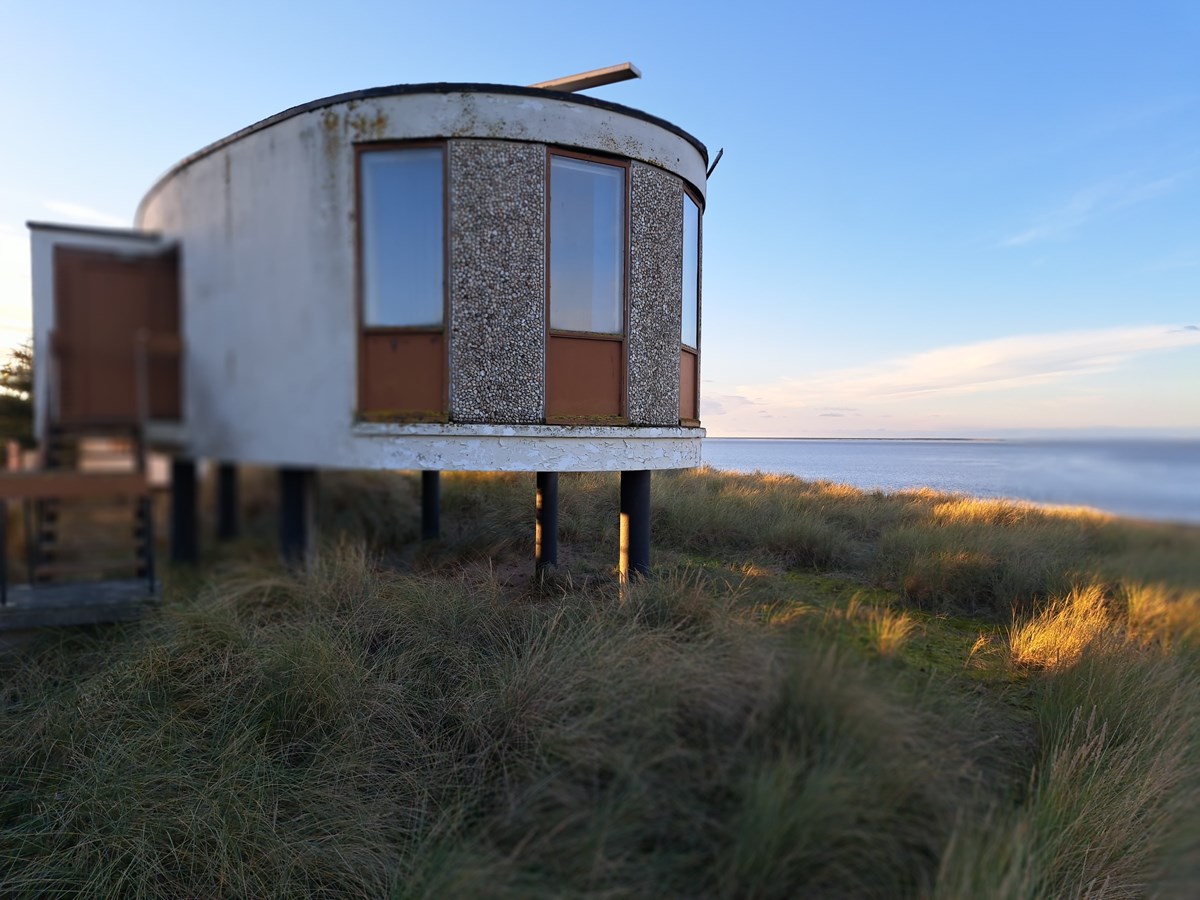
x=116, y=336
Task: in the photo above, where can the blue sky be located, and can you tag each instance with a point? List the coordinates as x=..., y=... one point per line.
x=931, y=218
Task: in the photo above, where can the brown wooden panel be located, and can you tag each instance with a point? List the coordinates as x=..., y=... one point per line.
x=402, y=375
x=103, y=303
x=688, y=395
x=584, y=378
x=65, y=484
x=164, y=345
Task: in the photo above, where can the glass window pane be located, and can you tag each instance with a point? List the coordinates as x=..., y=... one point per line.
x=403, y=253
x=587, y=246
x=691, y=271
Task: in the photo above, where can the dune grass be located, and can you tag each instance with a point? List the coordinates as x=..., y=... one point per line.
x=822, y=692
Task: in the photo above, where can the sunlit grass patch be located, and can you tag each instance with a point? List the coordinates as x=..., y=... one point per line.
x=1161, y=611
x=1057, y=635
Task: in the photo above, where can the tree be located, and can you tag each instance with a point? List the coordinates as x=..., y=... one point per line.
x=16, y=395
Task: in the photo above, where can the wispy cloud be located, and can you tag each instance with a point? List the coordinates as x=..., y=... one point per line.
x=720, y=404
x=84, y=214
x=994, y=365
x=1094, y=202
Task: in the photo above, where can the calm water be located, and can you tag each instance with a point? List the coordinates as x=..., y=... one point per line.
x=1145, y=479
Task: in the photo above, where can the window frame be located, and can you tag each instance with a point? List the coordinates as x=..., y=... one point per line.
x=684, y=348
x=623, y=337
x=362, y=329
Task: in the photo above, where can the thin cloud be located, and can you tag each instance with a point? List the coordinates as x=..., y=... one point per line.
x=1093, y=202
x=84, y=214
x=721, y=404
x=995, y=365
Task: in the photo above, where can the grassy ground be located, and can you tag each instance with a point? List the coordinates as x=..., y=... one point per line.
x=822, y=692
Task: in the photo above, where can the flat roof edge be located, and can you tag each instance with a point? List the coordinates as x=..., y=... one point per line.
x=438, y=87
x=97, y=230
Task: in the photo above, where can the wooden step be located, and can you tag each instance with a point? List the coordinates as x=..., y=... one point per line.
x=48, y=571
x=66, y=484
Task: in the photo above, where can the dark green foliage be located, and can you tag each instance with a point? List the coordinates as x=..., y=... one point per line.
x=16, y=396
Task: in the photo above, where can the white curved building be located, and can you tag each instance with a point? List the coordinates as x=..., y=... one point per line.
x=435, y=277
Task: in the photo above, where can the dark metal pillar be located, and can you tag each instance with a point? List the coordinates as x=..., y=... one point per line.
x=4, y=553
x=227, y=501
x=296, y=510
x=546, y=530
x=635, y=525
x=431, y=505
x=185, y=528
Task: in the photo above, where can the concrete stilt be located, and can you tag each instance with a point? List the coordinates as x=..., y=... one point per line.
x=431, y=505
x=635, y=525
x=185, y=530
x=297, y=507
x=227, y=501
x=546, y=529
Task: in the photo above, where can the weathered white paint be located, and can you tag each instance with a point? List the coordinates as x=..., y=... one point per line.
x=266, y=227
x=43, y=238
x=546, y=448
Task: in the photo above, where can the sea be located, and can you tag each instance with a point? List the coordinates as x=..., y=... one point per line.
x=1145, y=479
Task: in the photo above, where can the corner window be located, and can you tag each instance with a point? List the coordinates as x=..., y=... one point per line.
x=402, y=358
x=689, y=351
x=691, y=272
x=403, y=235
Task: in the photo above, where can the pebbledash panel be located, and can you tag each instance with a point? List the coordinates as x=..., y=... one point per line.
x=450, y=277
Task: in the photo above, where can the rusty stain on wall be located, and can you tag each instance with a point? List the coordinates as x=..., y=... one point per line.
x=367, y=127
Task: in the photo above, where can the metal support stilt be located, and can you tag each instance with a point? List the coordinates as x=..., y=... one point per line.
x=546, y=529
x=185, y=531
x=227, y=501
x=431, y=505
x=296, y=511
x=635, y=525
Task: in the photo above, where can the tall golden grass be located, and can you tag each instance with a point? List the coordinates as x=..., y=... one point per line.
x=822, y=692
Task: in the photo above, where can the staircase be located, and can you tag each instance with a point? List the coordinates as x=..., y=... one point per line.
x=95, y=538
x=89, y=530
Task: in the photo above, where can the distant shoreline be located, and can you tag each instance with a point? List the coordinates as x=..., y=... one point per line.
x=957, y=440
x=973, y=440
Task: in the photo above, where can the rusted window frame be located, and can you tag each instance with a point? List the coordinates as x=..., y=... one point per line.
x=362, y=329
x=683, y=347
x=623, y=338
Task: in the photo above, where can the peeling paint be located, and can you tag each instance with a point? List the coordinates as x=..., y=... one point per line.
x=369, y=127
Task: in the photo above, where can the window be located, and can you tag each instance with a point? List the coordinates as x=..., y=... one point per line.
x=403, y=236
x=689, y=352
x=691, y=272
x=585, y=350
x=587, y=246
x=402, y=365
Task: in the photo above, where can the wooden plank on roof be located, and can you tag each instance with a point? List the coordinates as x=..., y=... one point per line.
x=595, y=78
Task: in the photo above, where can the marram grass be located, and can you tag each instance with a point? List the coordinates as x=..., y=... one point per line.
x=822, y=692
